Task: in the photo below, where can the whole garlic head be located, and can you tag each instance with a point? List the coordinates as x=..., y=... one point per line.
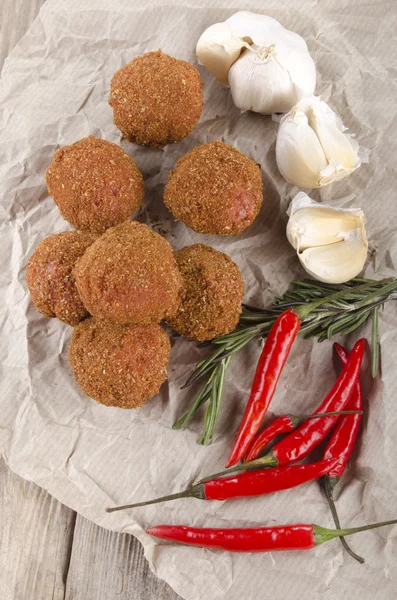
x=312, y=148
x=269, y=68
x=331, y=243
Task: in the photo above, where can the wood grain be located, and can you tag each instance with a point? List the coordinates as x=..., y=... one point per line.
x=107, y=565
x=35, y=540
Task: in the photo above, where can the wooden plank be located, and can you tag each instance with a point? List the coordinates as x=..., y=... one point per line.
x=16, y=16
x=36, y=536
x=106, y=565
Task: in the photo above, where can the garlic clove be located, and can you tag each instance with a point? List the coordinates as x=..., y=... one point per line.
x=321, y=226
x=331, y=243
x=299, y=155
x=340, y=149
x=328, y=127
x=336, y=263
x=217, y=49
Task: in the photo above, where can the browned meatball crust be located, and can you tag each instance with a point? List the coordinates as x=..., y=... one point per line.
x=215, y=189
x=129, y=275
x=212, y=293
x=156, y=99
x=50, y=278
x=119, y=365
x=95, y=184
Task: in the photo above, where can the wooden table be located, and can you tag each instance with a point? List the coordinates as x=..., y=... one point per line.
x=47, y=551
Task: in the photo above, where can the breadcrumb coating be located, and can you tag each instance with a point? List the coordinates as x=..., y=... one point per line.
x=119, y=365
x=95, y=184
x=156, y=99
x=215, y=189
x=212, y=293
x=50, y=278
x=129, y=275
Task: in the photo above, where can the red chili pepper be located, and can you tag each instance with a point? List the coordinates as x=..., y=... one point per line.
x=247, y=484
x=307, y=436
x=341, y=445
x=343, y=439
x=271, y=362
x=260, y=539
x=266, y=481
x=285, y=424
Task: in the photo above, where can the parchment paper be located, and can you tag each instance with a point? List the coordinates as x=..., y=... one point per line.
x=54, y=90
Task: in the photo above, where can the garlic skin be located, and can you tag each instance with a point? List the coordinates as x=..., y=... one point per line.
x=331, y=243
x=217, y=49
x=268, y=68
x=312, y=148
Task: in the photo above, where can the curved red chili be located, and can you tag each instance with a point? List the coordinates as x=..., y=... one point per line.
x=307, y=436
x=302, y=536
x=271, y=362
x=246, y=484
x=283, y=424
x=343, y=439
x=341, y=446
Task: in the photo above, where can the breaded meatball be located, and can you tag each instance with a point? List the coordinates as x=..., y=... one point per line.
x=156, y=99
x=119, y=365
x=212, y=293
x=215, y=189
x=50, y=277
x=129, y=275
x=95, y=184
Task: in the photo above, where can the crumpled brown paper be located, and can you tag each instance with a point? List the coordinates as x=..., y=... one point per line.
x=54, y=90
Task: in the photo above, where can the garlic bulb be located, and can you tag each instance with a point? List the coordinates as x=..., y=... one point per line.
x=331, y=243
x=269, y=68
x=312, y=148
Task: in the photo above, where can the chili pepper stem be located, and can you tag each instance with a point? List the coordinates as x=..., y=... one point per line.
x=321, y=534
x=334, y=413
x=264, y=461
x=296, y=420
x=329, y=486
x=196, y=491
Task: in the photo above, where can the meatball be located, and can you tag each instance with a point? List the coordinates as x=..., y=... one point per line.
x=129, y=275
x=119, y=365
x=156, y=99
x=215, y=189
x=95, y=184
x=50, y=277
x=212, y=293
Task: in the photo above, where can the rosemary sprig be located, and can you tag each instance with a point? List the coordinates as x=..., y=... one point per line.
x=375, y=342
x=325, y=311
